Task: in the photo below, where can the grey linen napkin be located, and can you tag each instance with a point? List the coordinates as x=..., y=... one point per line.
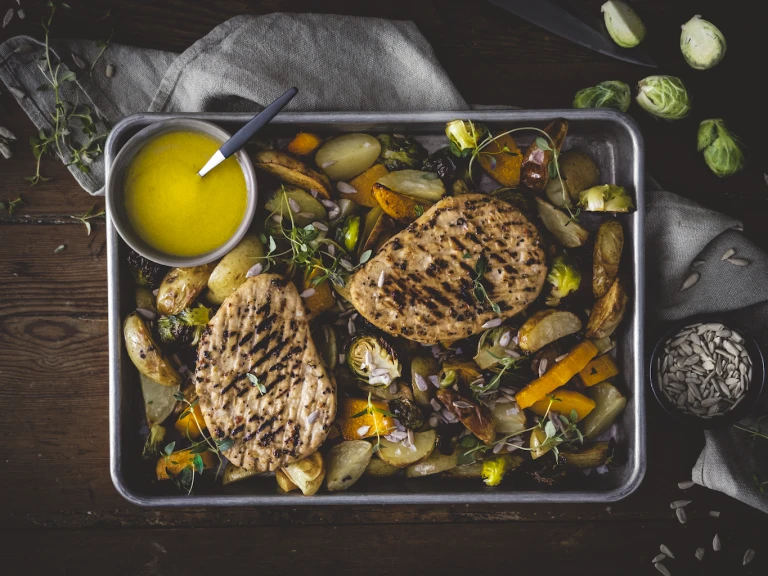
x=347, y=63
x=337, y=62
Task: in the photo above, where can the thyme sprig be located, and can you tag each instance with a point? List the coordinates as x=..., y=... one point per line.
x=12, y=205
x=507, y=363
x=88, y=216
x=481, y=295
x=371, y=409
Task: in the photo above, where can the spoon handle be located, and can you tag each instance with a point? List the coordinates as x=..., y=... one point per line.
x=239, y=139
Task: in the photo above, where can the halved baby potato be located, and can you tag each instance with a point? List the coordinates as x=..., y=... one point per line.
x=436, y=463
x=230, y=272
x=234, y=474
x=425, y=186
x=289, y=170
x=545, y=327
x=159, y=400
x=397, y=454
x=380, y=469
x=346, y=463
x=310, y=209
x=308, y=473
x=181, y=286
x=347, y=156
x=399, y=206
x=146, y=355
x=606, y=256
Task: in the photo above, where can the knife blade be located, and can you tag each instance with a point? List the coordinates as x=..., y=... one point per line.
x=560, y=22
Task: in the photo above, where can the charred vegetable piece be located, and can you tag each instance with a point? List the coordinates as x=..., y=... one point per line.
x=407, y=412
x=608, y=311
x=145, y=299
x=363, y=185
x=172, y=464
x=373, y=358
x=606, y=256
x=348, y=233
x=185, y=328
x=159, y=400
x=569, y=233
x=493, y=346
x=540, y=443
x=326, y=341
x=234, y=474
x=360, y=419
x=446, y=165
x=283, y=482
x=545, y=327
x=304, y=143
x=380, y=469
x=146, y=354
x=346, y=463
x=379, y=227
x=435, y=464
x=609, y=403
x=400, y=152
x=476, y=417
x=537, y=158
x=422, y=368
x=508, y=418
x=153, y=442
x=565, y=278
x=502, y=160
x=523, y=201
x=590, y=456
x=145, y=272
x=558, y=375
x=191, y=423
x=456, y=371
x=401, y=207
x=578, y=172
x=289, y=170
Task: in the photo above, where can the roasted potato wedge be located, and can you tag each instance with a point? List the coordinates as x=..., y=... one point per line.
x=346, y=463
x=181, y=286
x=145, y=299
x=417, y=184
x=609, y=244
x=534, y=172
x=402, y=208
x=308, y=473
x=397, y=454
x=435, y=464
x=377, y=229
x=424, y=366
x=608, y=311
x=146, y=355
x=309, y=208
x=363, y=184
x=283, y=482
x=289, y=170
x=545, y=327
x=578, y=172
x=465, y=471
x=348, y=155
x=234, y=474
x=588, y=457
x=159, y=400
x=380, y=469
x=569, y=233
x=476, y=417
x=230, y=272
x=609, y=403
x=502, y=160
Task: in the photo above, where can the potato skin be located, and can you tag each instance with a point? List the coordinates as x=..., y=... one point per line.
x=609, y=244
x=230, y=272
x=181, y=286
x=608, y=311
x=145, y=354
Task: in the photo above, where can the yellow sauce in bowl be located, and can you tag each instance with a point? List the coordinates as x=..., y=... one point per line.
x=173, y=209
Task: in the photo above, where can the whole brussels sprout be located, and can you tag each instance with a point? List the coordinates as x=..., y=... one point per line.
x=664, y=96
x=605, y=198
x=185, y=328
x=145, y=272
x=702, y=43
x=722, y=149
x=623, y=24
x=407, y=412
x=609, y=94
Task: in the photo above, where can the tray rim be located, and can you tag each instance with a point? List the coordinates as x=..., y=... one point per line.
x=637, y=435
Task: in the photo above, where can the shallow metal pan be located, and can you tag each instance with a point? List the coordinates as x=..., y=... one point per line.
x=610, y=137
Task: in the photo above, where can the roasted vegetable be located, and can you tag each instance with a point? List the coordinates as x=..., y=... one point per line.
x=373, y=358
x=591, y=456
x=307, y=473
x=623, y=23
x=318, y=295
x=422, y=368
x=326, y=341
x=508, y=418
x=154, y=440
x=493, y=346
x=663, y=96
x=407, y=412
x=435, y=464
x=609, y=94
x=289, y=170
x=346, y=463
x=145, y=272
x=609, y=403
x=502, y=160
x=608, y=311
x=568, y=232
x=564, y=401
x=304, y=143
x=159, y=400
x=231, y=270
x=385, y=392
x=145, y=354
x=578, y=172
x=234, y=474
x=557, y=375
x=545, y=327
x=606, y=198
x=380, y=469
x=289, y=204
x=495, y=468
x=540, y=443
x=173, y=464
x=348, y=155
x=402, y=456
x=476, y=417
x=465, y=136
x=521, y=200
x=446, y=165
x=534, y=172
x=145, y=300
x=348, y=233
x=363, y=185
x=722, y=149
x=702, y=43
x=283, y=482
x=564, y=276
x=606, y=256
x=402, y=208
x=191, y=423
x=180, y=288
x=598, y=370
x=456, y=371
x=185, y=328
x=360, y=419
x=472, y=471
x=416, y=184
x=377, y=229
x=399, y=152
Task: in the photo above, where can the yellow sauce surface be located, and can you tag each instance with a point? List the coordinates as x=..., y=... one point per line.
x=172, y=208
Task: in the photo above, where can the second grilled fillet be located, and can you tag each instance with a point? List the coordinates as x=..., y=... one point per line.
x=421, y=283
x=262, y=330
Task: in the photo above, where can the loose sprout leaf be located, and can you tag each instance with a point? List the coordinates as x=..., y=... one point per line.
x=361, y=413
x=257, y=383
x=169, y=448
x=272, y=244
x=468, y=441
x=418, y=210
x=468, y=255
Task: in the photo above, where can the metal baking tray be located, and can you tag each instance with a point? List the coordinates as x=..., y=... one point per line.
x=615, y=143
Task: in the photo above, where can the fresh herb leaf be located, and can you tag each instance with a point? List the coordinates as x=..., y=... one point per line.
x=168, y=450
x=224, y=445
x=257, y=383
x=197, y=462
x=365, y=256
x=199, y=448
x=542, y=143
x=550, y=430
x=481, y=295
x=179, y=396
x=88, y=216
x=419, y=209
x=12, y=205
x=466, y=255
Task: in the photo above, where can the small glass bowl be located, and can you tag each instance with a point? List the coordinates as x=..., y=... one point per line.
x=752, y=393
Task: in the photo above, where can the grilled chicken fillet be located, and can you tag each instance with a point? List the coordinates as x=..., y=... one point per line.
x=421, y=284
x=262, y=329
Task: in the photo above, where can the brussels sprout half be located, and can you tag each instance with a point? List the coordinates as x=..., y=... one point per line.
x=372, y=358
x=465, y=136
x=623, y=23
x=606, y=198
x=609, y=94
x=722, y=149
x=663, y=96
x=702, y=43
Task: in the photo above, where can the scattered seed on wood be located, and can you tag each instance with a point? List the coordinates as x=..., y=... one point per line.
x=699, y=554
x=8, y=17
x=684, y=485
x=665, y=550
x=60, y=248
x=345, y=188
x=16, y=92
x=749, y=555
x=6, y=151
x=21, y=14
x=663, y=569
x=716, y=544
x=714, y=513
x=690, y=281
x=7, y=134
x=738, y=261
x=679, y=504
x=697, y=263
x=659, y=558
x=681, y=515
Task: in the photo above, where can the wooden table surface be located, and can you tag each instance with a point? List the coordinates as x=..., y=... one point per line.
x=60, y=511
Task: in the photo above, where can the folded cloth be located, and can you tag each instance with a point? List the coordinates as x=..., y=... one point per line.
x=337, y=62
x=679, y=233
x=348, y=63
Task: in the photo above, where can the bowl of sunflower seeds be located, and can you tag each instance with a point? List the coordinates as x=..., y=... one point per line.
x=707, y=371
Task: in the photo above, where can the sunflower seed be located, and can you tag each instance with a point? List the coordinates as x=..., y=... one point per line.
x=8, y=17
x=690, y=281
x=663, y=569
x=697, y=263
x=109, y=71
x=728, y=253
x=699, y=554
x=716, y=544
x=659, y=558
x=681, y=515
x=328, y=164
x=679, y=504
x=665, y=550
x=738, y=261
x=16, y=92
x=345, y=188
x=684, y=485
x=382, y=277
x=714, y=513
x=749, y=555
x=6, y=151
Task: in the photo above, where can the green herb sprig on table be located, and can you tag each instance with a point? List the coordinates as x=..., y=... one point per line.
x=12, y=205
x=90, y=215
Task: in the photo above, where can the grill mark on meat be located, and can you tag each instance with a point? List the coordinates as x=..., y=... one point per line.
x=235, y=380
x=246, y=338
x=237, y=430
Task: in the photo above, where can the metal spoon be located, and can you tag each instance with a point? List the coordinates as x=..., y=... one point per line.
x=245, y=133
